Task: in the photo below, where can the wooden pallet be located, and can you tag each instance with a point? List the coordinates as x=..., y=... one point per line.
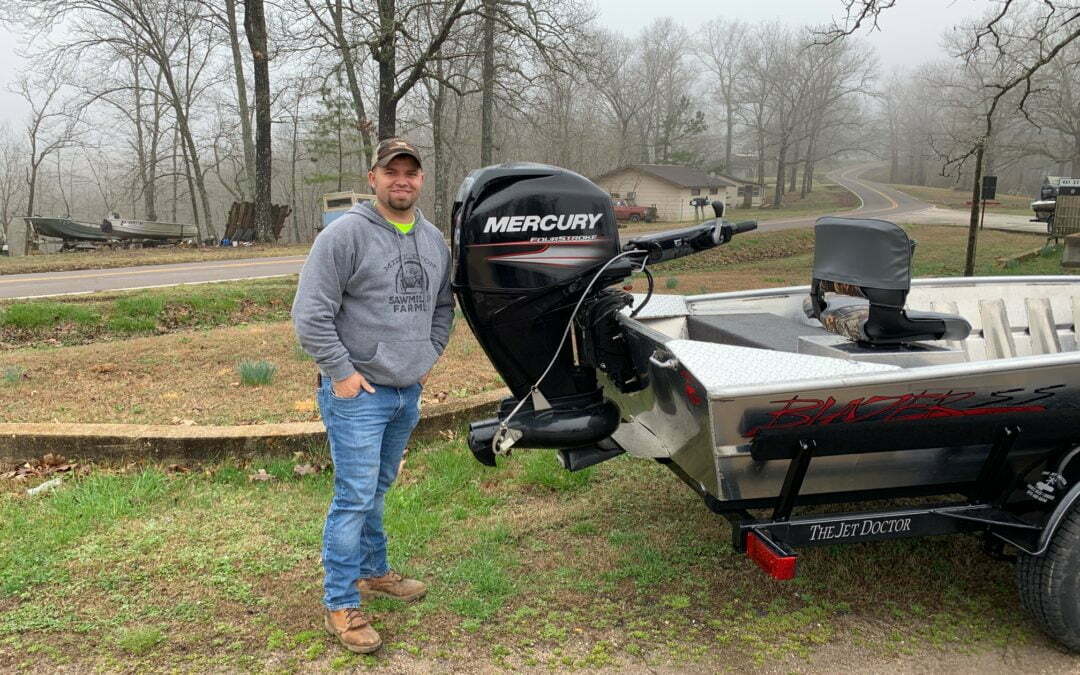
x=241, y=223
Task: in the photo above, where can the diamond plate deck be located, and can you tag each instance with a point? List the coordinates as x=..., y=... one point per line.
x=720, y=367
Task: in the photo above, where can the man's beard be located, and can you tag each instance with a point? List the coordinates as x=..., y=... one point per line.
x=401, y=203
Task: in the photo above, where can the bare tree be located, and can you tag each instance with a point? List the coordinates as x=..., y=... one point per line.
x=255, y=27
x=12, y=157
x=49, y=129
x=720, y=50
x=174, y=35
x=1025, y=34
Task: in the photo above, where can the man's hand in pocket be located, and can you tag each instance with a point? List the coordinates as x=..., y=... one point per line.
x=350, y=387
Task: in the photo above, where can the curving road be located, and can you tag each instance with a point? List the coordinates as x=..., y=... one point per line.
x=875, y=200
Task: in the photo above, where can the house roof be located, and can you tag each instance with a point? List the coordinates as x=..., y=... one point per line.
x=682, y=176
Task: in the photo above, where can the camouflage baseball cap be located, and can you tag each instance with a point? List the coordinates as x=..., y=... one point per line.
x=393, y=147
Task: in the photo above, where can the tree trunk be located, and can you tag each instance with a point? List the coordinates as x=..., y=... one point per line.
x=778, y=193
x=487, y=84
x=808, y=170
x=973, y=223
x=761, y=161
x=793, y=179
x=241, y=98
x=140, y=142
x=192, y=158
x=255, y=27
x=31, y=185
x=191, y=191
x=387, y=58
x=348, y=61
x=292, y=169
x=175, y=173
x=150, y=195
x=60, y=185
x=441, y=177
x=728, y=136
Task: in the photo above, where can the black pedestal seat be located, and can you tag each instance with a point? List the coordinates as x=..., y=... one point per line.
x=864, y=265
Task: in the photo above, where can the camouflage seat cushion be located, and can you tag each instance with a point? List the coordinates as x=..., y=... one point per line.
x=844, y=316
x=847, y=317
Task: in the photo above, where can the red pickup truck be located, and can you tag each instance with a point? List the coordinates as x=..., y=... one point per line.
x=624, y=210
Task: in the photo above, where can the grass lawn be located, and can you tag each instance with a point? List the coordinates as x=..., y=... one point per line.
x=85, y=260
x=777, y=259
x=173, y=373
x=1017, y=205
x=194, y=377
x=81, y=319
x=151, y=568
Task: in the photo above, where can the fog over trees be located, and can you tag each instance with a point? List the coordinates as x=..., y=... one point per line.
x=169, y=109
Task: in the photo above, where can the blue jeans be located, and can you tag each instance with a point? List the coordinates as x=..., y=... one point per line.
x=367, y=437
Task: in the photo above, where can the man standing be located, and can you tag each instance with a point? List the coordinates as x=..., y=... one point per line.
x=374, y=309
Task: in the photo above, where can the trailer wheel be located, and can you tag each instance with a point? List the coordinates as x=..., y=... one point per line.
x=634, y=217
x=1050, y=584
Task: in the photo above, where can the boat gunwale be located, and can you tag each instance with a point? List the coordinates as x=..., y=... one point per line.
x=912, y=374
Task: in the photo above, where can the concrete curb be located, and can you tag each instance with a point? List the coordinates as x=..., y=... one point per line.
x=163, y=443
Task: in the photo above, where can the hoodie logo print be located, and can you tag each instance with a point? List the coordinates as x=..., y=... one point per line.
x=411, y=285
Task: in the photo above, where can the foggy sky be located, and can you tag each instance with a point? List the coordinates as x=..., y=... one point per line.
x=910, y=33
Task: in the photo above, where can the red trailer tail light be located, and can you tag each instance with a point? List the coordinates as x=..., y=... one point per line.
x=776, y=563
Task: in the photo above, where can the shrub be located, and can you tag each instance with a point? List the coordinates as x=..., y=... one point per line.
x=671, y=282
x=255, y=373
x=13, y=375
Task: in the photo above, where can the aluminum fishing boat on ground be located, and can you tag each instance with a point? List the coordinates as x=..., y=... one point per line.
x=860, y=386
x=147, y=229
x=66, y=228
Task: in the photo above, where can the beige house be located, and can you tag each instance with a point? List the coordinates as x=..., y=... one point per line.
x=670, y=188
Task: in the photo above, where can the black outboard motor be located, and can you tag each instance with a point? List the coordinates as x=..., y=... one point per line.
x=535, y=246
x=527, y=240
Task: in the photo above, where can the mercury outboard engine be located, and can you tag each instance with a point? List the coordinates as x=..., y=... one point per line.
x=535, y=249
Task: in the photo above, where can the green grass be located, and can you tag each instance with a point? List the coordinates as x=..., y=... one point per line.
x=36, y=315
x=528, y=566
x=13, y=375
x=256, y=373
x=84, y=319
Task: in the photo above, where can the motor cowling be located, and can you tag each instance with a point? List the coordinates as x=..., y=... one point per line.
x=527, y=240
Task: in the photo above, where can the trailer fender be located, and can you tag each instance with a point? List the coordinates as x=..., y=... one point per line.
x=1055, y=519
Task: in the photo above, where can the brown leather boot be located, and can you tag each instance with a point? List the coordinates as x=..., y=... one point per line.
x=353, y=629
x=391, y=585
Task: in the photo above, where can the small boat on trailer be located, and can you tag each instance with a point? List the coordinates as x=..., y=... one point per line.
x=861, y=386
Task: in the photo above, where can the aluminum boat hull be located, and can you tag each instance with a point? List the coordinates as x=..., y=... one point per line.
x=66, y=228
x=145, y=229
x=711, y=405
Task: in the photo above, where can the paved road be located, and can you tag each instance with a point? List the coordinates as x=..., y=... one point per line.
x=146, y=276
x=876, y=200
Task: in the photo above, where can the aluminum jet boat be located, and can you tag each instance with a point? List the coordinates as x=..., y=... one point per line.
x=862, y=385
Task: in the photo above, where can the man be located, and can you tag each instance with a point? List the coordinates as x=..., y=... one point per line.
x=374, y=309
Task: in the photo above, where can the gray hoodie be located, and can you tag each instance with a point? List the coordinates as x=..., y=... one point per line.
x=373, y=300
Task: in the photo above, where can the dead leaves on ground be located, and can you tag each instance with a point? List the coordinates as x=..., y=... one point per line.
x=47, y=465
